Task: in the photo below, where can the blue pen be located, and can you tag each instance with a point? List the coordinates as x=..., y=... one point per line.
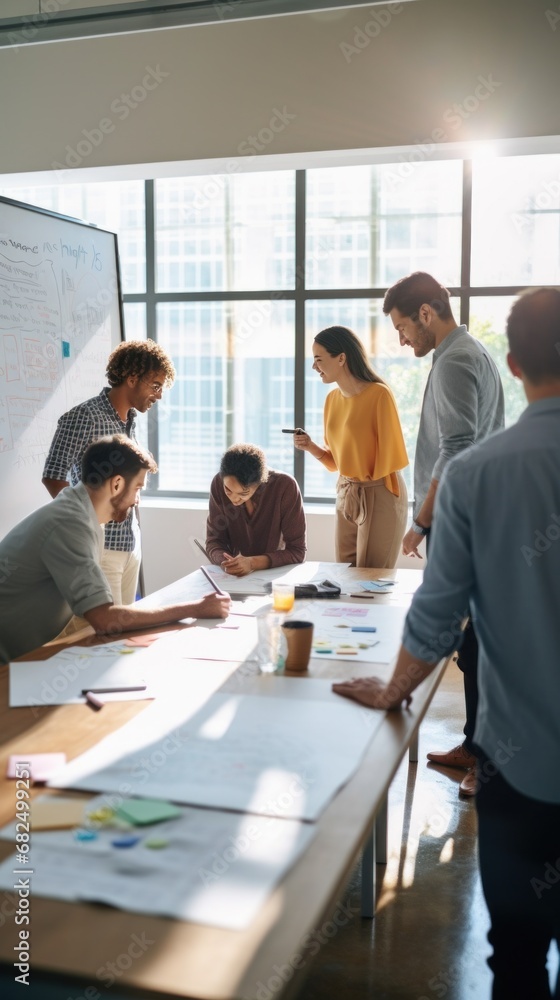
x=363, y=628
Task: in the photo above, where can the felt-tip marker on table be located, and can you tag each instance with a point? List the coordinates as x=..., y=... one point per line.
x=93, y=701
x=115, y=689
x=363, y=628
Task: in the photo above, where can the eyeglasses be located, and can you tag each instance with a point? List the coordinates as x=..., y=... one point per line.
x=156, y=387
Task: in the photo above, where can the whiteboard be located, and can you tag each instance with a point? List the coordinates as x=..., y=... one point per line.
x=60, y=318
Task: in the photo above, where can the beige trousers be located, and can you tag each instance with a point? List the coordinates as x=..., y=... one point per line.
x=370, y=522
x=121, y=570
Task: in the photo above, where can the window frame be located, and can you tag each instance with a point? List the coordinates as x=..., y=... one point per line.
x=299, y=295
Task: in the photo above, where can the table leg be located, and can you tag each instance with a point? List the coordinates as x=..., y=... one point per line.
x=381, y=834
x=374, y=852
x=368, y=877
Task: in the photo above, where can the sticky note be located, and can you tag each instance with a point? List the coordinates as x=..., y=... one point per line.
x=50, y=812
x=125, y=841
x=103, y=815
x=143, y=811
x=40, y=765
x=65, y=349
x=143, y=640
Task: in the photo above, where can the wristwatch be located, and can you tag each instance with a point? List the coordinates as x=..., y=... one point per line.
x=419, y=528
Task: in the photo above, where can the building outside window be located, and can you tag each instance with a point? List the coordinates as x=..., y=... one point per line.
x=238, y=272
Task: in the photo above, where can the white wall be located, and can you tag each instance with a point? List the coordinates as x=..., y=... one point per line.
x=220, y=84
x=169, y=553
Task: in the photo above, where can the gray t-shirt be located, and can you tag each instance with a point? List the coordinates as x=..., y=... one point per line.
x=463, y=404
x=49, y=570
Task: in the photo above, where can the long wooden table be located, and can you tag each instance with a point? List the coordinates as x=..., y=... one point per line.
x=270, y=957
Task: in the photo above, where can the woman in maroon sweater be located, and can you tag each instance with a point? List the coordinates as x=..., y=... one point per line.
x=256, y=517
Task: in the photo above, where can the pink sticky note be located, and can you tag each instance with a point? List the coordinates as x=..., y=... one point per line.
x=350, y=611
x=143, y=640
x=40, y=765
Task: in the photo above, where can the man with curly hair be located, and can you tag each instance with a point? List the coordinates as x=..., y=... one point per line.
x=137, y=371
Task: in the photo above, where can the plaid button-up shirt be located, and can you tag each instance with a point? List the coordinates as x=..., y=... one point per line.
x=78, y=428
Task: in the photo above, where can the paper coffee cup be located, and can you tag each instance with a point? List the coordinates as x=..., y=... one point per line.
x=299, y=637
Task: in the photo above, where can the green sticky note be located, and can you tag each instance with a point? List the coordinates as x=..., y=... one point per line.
x=155, y=844
x=140, y=812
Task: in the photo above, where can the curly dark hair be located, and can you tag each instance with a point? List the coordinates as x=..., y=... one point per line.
x=139, y=358
x=246, y=463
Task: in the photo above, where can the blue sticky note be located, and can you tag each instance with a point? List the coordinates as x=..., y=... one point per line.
x=65, y=349
x=125, y=841
x=364, y=628
x=377, y=586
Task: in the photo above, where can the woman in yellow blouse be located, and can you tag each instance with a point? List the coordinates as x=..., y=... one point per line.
x=364, y=443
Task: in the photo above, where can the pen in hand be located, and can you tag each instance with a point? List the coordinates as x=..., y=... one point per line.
x=213, y=582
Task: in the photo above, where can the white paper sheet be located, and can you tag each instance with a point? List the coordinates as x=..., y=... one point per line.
x=270, y=756
x=259, y=583
x=61, y=679
x=333, y=623
x=216, y=868
x=195, y=585
x=235, y=639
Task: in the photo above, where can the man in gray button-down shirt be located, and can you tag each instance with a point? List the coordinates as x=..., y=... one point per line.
x=496, y=546
x=463, y=403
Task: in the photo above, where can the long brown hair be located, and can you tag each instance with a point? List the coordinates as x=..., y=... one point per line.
x=340, y=340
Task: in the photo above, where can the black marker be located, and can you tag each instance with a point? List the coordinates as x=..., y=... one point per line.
x=293, y=430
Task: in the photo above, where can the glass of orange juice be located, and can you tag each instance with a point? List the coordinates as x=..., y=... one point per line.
x=282, y=596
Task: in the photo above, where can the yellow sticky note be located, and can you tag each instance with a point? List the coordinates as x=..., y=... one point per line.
x=50, y=812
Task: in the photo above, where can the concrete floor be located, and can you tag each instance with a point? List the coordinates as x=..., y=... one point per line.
x=428, y=939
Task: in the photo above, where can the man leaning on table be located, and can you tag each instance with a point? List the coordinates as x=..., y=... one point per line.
x=496, y=544
x=50, y=562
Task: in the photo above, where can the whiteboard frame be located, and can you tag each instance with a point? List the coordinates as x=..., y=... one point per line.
x=26, y=503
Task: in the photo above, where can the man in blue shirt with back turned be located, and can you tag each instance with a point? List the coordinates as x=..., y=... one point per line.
x=496, y=550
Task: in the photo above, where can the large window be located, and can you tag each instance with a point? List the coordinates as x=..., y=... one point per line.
x=234, y=274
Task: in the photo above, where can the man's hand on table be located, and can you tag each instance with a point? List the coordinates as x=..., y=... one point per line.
x=370, y=691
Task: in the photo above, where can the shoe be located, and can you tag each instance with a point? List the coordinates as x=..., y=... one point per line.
x=469, y=784
x=458, y=757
